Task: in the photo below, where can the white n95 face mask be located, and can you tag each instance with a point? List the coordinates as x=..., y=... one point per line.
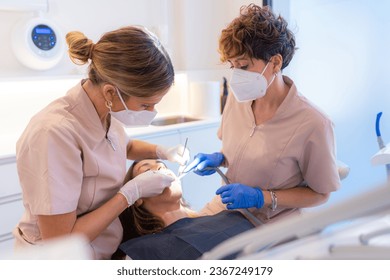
x=131, y=118
x=247, y=85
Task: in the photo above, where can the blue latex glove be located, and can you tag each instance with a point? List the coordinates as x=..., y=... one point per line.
x=202, y=161
x=241, y=196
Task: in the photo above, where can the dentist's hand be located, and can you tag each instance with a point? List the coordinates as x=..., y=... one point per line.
x=147, y=184
x=241, y=196
x=177, y=154
x=202, y=161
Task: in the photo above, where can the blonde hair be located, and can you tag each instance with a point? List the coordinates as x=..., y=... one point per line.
x=131, y=58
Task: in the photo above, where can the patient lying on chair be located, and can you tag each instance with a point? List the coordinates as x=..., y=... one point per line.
x=164, y=227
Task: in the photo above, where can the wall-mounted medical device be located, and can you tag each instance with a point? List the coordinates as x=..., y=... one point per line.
x=37, y=41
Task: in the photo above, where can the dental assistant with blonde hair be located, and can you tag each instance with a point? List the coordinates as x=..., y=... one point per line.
x=279, y=148
x=71, y=158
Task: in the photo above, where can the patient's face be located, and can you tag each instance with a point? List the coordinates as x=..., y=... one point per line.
x=148, y=164
x=171, y=193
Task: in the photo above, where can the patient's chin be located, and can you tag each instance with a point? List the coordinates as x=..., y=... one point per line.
x=174, y=189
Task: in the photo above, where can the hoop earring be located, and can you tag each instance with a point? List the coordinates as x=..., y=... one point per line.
x=108, y=104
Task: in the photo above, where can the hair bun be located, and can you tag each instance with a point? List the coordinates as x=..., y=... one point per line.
x=91, y=51
x=80, y=47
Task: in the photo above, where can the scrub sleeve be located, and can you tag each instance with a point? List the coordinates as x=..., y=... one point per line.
x=66, y=164
x=294, y=148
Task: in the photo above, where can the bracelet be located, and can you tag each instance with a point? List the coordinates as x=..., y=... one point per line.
x=274, y=200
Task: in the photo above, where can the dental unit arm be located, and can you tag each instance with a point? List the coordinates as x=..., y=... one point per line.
x=373, y=202
x=383, y=156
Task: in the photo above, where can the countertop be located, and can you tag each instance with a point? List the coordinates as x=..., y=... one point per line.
x=8, y=142
x=134, y=132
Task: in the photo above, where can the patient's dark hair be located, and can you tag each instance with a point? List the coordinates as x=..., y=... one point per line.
x=136, y=220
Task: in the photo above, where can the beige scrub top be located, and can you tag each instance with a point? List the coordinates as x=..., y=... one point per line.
x=294, y=148
x=66, y=163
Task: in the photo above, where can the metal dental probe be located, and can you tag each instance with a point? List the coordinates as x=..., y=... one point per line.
x=182, y=167
x=185, y=146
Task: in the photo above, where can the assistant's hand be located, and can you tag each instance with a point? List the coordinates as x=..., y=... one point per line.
x=202, y=161
x=241, y=196
x=147, y=184
x=177, y=154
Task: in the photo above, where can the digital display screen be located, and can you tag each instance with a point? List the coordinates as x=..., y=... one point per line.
x=42, y=30
x=43, y=37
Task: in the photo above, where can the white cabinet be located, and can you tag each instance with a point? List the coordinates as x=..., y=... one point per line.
x=11, y=205
x=197, y=190
x=9, y=177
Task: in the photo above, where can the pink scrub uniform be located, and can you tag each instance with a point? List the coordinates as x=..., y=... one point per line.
x=294, y=148
x=66, y=163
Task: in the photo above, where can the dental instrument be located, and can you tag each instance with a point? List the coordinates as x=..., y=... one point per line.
x=183, y=167
x=185, y=146
x=252, y=218
x=183, y=172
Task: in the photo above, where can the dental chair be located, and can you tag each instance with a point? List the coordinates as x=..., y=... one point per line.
x=358, y=228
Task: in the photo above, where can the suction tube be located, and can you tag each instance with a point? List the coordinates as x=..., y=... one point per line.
x=378, y=131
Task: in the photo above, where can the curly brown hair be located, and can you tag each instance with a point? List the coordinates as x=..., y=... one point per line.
x=259, y=34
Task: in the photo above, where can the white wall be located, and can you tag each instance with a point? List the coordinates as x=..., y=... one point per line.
x=196, y=26
x=89, y=16
x=341, y=65
x=188, y=28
